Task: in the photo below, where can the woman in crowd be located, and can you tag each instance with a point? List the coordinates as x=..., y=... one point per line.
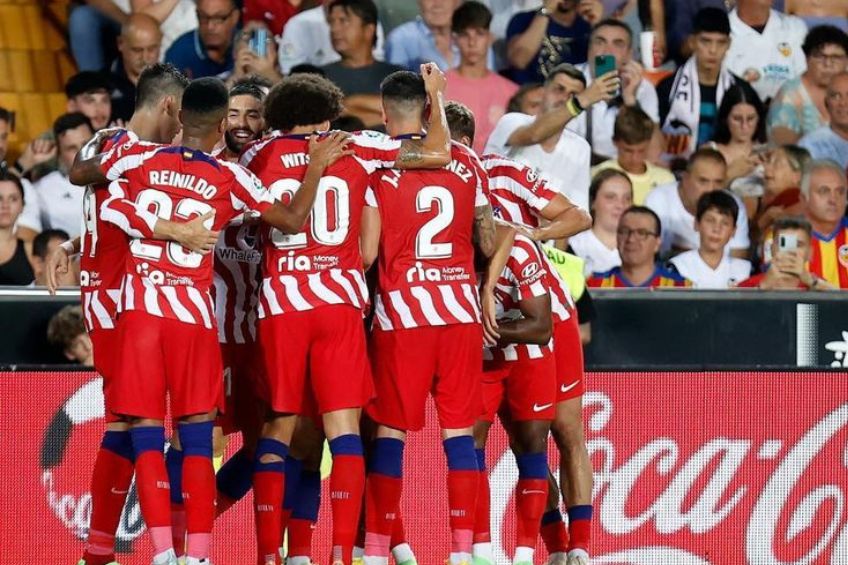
x=15, y=253
x=798, y=108
x=740, y=128
x=781, y=184
x=610, y=194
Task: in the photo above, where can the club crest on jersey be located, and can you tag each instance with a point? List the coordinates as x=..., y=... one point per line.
x=843, y=255
x=784, y=48
x=532, y=176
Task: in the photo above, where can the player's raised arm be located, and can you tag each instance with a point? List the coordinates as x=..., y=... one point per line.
x=565, y=219
x=433, y=151
x=290, y=218
x=86, y=167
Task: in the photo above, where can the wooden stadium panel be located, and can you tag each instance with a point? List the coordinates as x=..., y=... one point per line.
x=14, y=26
x=35, y=26
x=38, y=118
x=57, y=104
x=6, y=82
x=66, y=66
x=22, y=70
x=47, y=74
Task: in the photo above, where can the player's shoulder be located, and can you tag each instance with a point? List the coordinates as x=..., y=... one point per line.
x=264, y=149
x=500, y=168
x=370, y=139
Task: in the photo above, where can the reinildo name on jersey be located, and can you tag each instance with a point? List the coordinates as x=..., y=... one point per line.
x=189, y=182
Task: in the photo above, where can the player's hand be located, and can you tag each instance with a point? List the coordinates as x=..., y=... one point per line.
x=196, y=237
x=333, y=147
x=58, y=263
x=434, y=78
x=605, y=87
x=490, y=321
x=530, y=233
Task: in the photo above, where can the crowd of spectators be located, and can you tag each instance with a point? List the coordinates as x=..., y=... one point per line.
x=716, y=160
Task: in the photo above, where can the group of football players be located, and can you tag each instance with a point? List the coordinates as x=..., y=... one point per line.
x=223, y=283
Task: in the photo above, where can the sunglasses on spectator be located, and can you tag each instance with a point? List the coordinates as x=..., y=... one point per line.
x=640, y=234
x=206, y=19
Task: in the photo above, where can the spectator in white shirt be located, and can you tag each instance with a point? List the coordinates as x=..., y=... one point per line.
x=612, y=37
x=58, y=201
x=831, y=141
x=765, y=47
x=610, y=194
x=709, y=266
x=677, y=203
x=306, y=40
x=559, y=156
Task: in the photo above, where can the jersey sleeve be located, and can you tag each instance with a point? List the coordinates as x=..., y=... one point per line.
x=481, y=177
x=375, y=150
x=126, y=214
x=527, y=270
x=248, y=194
x=125, y=157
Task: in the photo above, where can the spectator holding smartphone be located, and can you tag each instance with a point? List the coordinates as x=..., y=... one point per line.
x=790, y=250
x=710, y=266
x=824, y=192
x=255, y=54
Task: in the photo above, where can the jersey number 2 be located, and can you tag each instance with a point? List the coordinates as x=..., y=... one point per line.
x=442, y=199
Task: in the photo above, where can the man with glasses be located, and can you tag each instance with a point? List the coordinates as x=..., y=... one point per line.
x=638, y=244
x=208, y=50
x=831, y=142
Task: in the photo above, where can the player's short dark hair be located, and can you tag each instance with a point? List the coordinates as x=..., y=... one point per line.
x=65, y=326
x=720, y=201
x=711, y=20
x=43, y=239
x=5, y=115
x=823, y=35
x=205, y=103
x=251, y=86
x=404, y=91
x=86, y=82
x=471, y=15
x=71, y=120
x=347, y=123
x=301, y=100
x=460, y=120
x=633, y=126
x=568, y=70
x=514, y=104
x=307, y=69
x=156, y=82
x=612, y=22
x=644, y=210
x=6, y=176
x=600, y=179
x=705, y=154
x=785, y=223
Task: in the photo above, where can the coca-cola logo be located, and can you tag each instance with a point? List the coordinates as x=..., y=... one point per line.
x=66, y=455
x=667, y=492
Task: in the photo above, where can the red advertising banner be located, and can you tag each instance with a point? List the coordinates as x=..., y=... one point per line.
x=690, y=469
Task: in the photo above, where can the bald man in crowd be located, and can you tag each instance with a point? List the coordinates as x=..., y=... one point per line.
x=139, y=45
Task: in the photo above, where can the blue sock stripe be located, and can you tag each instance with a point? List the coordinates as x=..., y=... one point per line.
x=294, y=468
x=308, y=497
x=583, y=512
x=460, y=453
x=481, y=459
x=350, y=444
x=268, y=446
x=196, y=438
x=551, y=516
x=174, y=466
x=388, y=457
x=532, y=465
x=236, y=476
x=148, y=438
x=119, y=443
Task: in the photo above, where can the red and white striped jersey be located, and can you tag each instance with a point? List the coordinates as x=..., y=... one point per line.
x=519, y=196
x=235, y=285
x=426, y=255
x=103, y=252
x=162, y=278
x=322, y=265
x=523, y=277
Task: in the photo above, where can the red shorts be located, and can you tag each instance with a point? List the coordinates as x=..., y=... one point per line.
x=243, y=384
x=444, y=361
x=318, y=354
x=568, y=351
x=105, y=346
x=164, y=359
x=526, y=389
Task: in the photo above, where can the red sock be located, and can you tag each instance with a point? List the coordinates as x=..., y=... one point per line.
x=199, y=493
x=154, y=497
x=398, y=531
x=462, y=499
x=268, y=487
x=110, y=483
x=482, y=520
x=531, y=496
x=300, y=537
x=178, y=528
x=382, y=504
x=347, y=483
x=580, y=526
x=555, y=535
